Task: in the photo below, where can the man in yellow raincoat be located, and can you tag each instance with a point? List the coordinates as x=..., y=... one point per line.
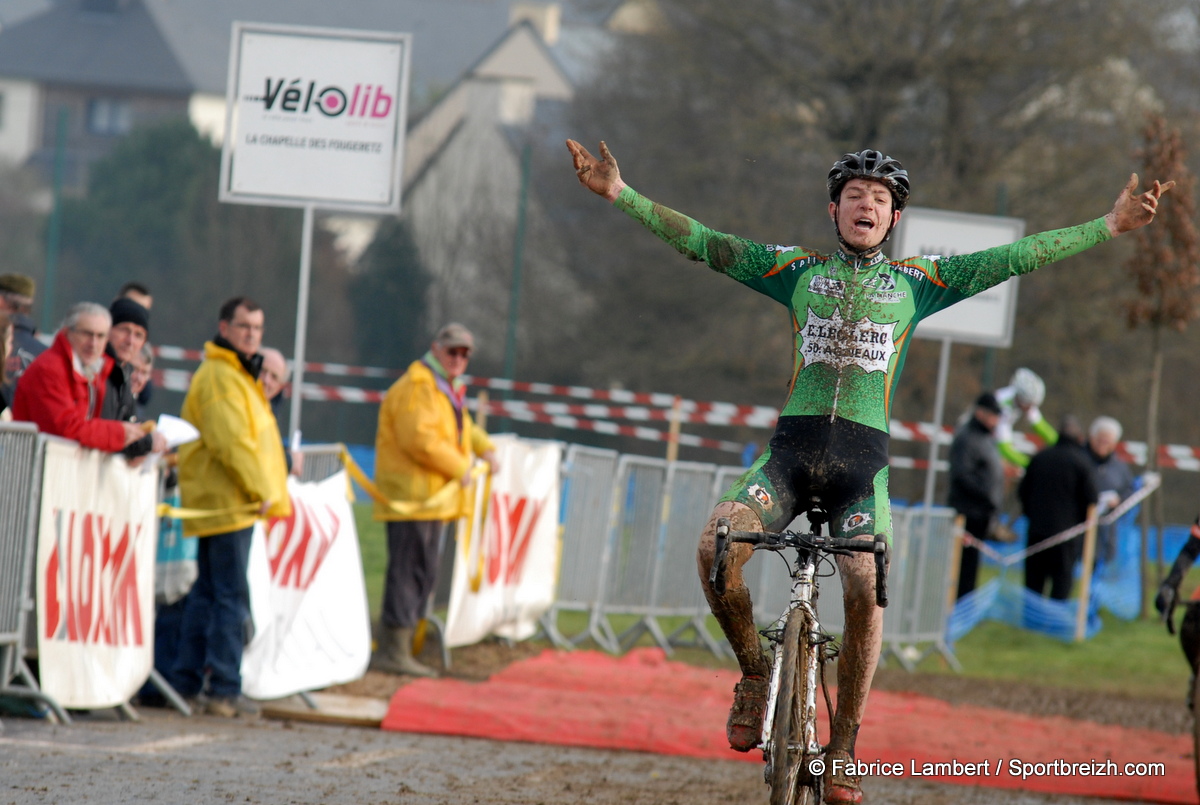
x=236, y=470
x=425, y=442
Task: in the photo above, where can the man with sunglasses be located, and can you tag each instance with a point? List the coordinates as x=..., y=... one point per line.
x=853, y=312
x=425, y=441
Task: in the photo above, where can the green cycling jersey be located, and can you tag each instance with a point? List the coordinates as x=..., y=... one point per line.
x=853, y=318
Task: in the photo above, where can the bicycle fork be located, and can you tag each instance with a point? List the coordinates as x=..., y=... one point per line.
x=801, y=598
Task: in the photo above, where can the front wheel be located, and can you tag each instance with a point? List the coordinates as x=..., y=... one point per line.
x=791, y=782
x=1196, y=728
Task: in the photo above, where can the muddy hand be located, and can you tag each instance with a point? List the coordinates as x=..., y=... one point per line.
x=601, y=176
x=1132, y=211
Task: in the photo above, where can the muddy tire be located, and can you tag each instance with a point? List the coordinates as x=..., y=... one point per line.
x=791, y=783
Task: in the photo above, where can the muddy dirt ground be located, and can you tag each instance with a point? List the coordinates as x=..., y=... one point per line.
x=167, y=758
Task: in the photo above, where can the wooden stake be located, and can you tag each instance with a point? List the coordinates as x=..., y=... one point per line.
x=1085, y=584
x=673, y=432
x=481, y=409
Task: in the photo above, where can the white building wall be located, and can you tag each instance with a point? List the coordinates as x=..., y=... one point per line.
x=207, y=113
x=20, y=119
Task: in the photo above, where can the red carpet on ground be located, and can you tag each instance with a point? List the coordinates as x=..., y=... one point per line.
x=644, y=702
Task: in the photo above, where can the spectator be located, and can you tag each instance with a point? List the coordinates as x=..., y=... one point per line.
x=140, y=294
x=1114, y=480
x=976, y=482
x=425, y=441
x=6, y=348
x=62, y=391
x=1058, y=487
x=235, y=469
x=141, y=368
x=1021, y=398
x=130, y=327
x=275, y=376
x=16, y=299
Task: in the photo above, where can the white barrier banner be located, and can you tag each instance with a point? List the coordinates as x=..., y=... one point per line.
x=307, y=596
x=506, y=568
x=97, y=537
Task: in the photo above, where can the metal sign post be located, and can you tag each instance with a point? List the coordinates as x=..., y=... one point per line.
x=314, y=118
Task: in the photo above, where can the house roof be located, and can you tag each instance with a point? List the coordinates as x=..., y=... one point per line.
x=66, y=44
x=447, y=34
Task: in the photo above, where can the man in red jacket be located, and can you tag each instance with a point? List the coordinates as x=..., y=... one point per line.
x=62, y=391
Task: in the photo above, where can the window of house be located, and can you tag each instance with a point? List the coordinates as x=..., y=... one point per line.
x=109, y=116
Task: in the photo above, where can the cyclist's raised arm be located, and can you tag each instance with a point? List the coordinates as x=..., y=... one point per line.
x=1134, y=211
x=973, y=273
x=601, y=176
x=743, y=260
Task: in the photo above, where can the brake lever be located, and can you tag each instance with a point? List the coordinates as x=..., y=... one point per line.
x=716, y=574
x=883, y=557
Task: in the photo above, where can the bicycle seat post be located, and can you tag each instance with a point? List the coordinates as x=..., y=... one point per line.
x=818, y=518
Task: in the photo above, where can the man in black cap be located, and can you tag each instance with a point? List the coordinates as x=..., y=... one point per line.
x=130, y=329
x=976, y=481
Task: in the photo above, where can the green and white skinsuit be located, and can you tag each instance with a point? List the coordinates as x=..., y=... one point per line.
x=852, y=321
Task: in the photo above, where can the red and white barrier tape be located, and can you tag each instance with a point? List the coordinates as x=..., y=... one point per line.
x=640, y=413
x=340, y=369
x=611, y=428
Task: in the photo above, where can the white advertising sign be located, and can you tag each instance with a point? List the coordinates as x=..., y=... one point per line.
x=506, y=567
x=986, y=318
x=315, y=117
x=97, y=538
x=307, y=597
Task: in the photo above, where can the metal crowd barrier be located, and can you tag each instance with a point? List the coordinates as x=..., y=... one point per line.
x=321, y=461
x=630, y=525
x=586, y=507
x=21, y=452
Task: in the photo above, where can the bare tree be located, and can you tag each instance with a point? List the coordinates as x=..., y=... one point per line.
x=1166, y=272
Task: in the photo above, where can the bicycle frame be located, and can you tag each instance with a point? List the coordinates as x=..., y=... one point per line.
x=787, y=766
x=804, y=590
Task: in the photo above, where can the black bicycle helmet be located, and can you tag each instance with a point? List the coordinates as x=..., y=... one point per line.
x=869, y=164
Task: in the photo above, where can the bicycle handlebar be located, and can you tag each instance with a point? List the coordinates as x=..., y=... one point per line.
x=766, y=539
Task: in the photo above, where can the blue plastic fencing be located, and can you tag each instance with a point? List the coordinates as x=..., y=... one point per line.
x=1116, y=586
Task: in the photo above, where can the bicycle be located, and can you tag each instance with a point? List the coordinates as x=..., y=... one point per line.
x=1189, y=638
x=800, y=649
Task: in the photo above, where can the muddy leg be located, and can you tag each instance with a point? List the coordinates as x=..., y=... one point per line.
x=733, y=610
x=861, y=644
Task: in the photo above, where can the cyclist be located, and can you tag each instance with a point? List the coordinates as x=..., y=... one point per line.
x=1168, y=597
x=853, y=312
x=1022, y=397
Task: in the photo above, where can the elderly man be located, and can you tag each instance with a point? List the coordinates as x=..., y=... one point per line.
x=275, y=376
x=130, y=328
x=236, y=470
x=1114, y=479
x=62, y=391
x=425, y=441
